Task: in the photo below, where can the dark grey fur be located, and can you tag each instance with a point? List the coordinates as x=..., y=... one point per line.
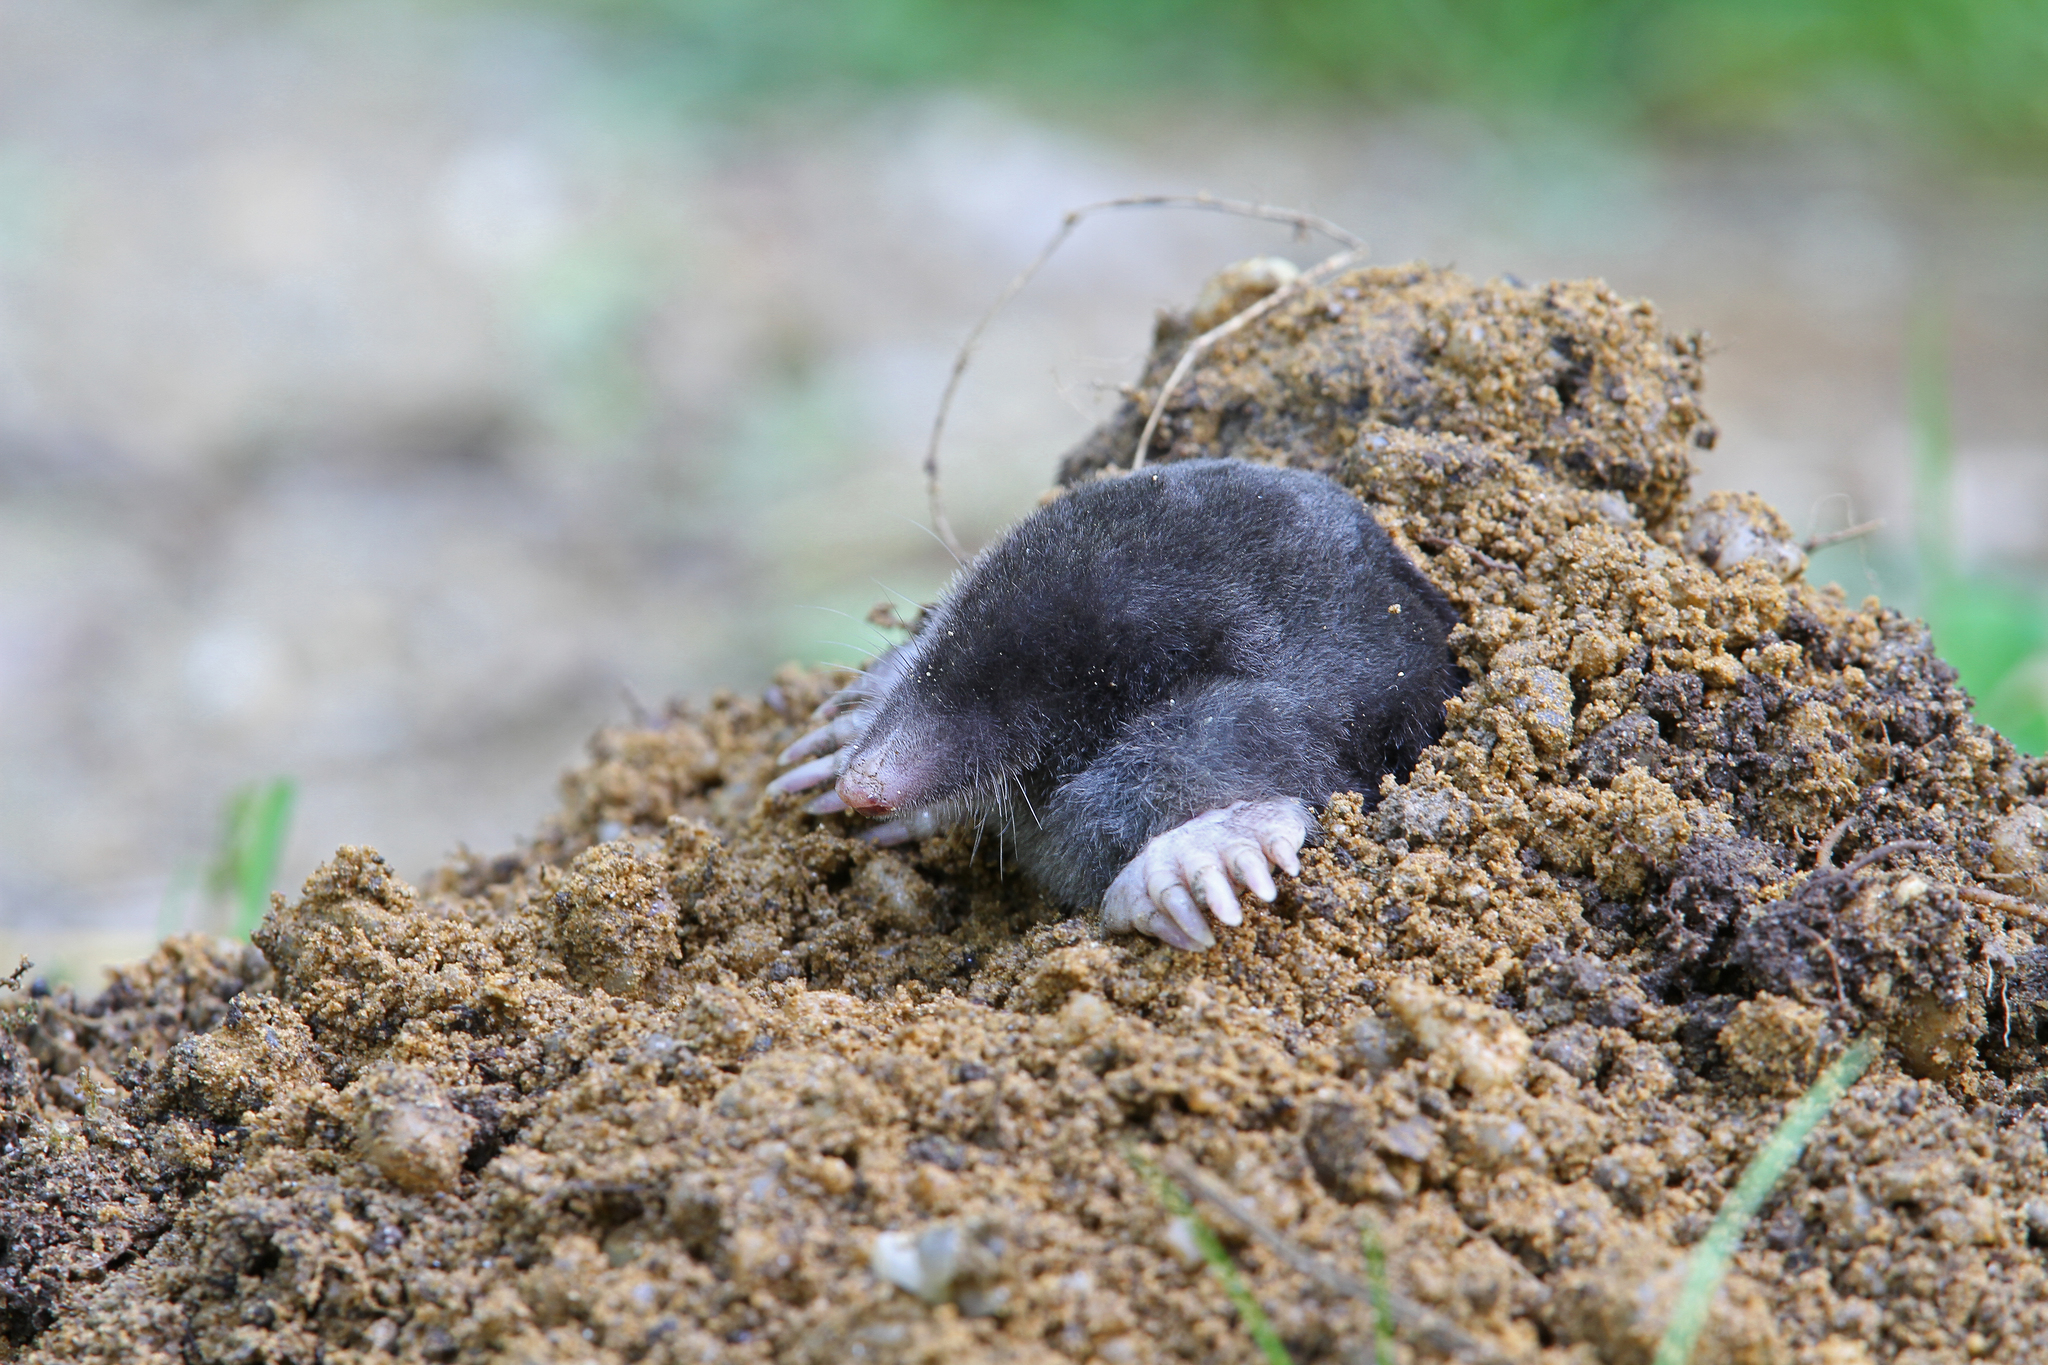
x=1152, y=647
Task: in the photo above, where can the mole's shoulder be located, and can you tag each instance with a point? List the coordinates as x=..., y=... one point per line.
x=1179, y=529
x=1203, y=497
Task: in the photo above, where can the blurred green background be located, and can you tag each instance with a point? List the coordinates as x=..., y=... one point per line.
x=392, y=392
x=1951, y=74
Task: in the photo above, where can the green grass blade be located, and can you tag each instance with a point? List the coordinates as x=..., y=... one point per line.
x=1256, y=1324
x=1382, y=1296
x=1994, y=631
x=1710, y=1259
x=253, y=826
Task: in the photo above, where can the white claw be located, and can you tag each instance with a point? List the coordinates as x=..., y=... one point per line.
x=1181, y=906
x=809, y=775
x=1126, y=906
x=837, y=735
x=916, y=824
x=1285, y=850
x=1210, y=856
x=1248, y=865
x=1219, y=895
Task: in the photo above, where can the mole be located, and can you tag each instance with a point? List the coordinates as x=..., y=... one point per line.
x=1147, y=684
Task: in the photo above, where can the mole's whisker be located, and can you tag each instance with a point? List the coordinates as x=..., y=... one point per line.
x=1019, y=780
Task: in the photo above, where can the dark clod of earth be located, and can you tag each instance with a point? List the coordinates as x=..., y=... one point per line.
x=696, y=1077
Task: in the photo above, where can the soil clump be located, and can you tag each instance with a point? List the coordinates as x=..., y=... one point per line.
x=693, y=1076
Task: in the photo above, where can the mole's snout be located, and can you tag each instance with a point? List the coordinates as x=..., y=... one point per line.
x=887, y=773
x=862, y=790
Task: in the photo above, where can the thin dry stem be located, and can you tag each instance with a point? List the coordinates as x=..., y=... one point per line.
x=1825, y=857
x=1883, y=851
x=1303, y=224
x=1998, y=900
x=1440, y=544
x=1859, y=530
x=1315, y=274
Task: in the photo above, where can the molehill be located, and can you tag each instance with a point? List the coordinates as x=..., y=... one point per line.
x=652, y=1087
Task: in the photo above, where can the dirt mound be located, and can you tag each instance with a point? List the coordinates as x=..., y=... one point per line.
x=696, y=1077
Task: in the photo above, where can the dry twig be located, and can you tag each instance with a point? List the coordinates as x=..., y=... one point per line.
x=1315, y=274
x=1976, y=895
x=1998, y=900
x=1441, y=544
x=1825, y=857
x=1856, y=532
x=1883, y=851
x=1303, y=224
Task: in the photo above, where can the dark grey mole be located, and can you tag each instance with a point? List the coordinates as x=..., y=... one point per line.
x=1149, y=648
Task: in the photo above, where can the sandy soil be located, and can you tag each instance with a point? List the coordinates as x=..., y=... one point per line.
x=652, y=1087
x=385, y=396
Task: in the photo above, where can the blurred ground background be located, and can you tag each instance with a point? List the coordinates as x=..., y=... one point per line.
x=391, y=393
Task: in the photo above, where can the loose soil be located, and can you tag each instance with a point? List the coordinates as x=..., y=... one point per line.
x=652, y=1087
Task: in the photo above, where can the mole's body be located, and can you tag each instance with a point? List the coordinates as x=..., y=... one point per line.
x=1152, y=678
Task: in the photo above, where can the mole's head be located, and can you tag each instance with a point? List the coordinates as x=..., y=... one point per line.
x=1080, y=614
x=985, y=688
x=947, y=731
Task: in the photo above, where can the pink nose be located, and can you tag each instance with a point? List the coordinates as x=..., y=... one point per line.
x=862, y=791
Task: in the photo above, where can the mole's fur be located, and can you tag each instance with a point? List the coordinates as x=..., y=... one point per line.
x=1147, y=649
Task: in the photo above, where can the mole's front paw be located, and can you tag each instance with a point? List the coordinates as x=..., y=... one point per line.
x=1208, y=857
x=847, y=713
